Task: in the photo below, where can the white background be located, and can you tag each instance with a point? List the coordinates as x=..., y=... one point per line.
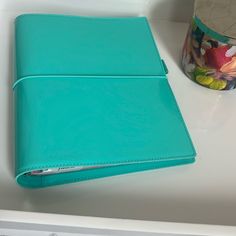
x=203, y=193
x=178, y=10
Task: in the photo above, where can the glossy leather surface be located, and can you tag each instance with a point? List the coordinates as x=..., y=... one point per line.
x=88, y=94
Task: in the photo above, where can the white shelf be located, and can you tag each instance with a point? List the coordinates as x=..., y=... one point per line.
x=202, y=193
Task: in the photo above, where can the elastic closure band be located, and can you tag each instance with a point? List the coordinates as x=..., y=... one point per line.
x=90, y=77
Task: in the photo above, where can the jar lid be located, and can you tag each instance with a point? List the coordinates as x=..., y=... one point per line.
x=218, y=15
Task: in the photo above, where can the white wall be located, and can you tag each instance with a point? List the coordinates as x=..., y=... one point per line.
x=180, y=10
x=98, y=7
x=177, y=10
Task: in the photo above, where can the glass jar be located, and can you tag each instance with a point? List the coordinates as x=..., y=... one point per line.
x=209, y=52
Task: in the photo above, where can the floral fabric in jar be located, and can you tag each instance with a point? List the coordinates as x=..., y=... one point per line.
x=208, y=58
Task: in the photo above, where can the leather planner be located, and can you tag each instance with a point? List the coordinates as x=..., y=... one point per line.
x=92, y=100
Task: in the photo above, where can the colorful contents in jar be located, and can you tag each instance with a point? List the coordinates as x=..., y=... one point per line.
x=209, y=62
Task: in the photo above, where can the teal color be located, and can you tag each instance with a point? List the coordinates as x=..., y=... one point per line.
x=92, y=92
x=213, y=34
x=62, y=45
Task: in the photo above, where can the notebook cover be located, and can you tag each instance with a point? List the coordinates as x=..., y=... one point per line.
x=92, y=92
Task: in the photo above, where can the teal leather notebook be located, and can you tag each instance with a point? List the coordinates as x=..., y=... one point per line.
x=92, y=100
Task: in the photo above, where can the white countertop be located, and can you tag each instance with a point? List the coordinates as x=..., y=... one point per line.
x=204, y=192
